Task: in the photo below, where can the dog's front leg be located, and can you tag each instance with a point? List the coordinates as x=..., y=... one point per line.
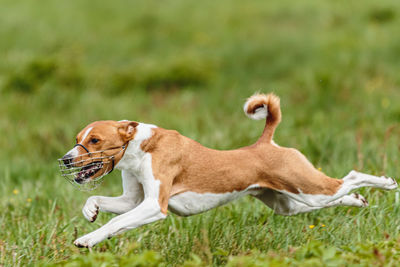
x=147, y=212
x=153, y=208
x=132, y=196
x=117, y=205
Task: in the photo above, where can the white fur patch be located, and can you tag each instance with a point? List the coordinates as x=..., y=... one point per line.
x=86, y=134
x=189, y=203
x=259, y=114
x=133, y=156
x=151, y=186
x=73, y=152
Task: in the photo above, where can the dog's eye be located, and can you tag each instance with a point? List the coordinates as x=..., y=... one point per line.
x=94, y=140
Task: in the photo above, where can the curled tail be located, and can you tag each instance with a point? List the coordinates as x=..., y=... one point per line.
x=262, y=106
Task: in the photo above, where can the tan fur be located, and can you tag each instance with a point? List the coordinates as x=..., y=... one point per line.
x=189, y=166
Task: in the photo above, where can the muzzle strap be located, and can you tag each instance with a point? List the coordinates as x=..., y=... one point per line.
x=87, y=150
x=113, y=163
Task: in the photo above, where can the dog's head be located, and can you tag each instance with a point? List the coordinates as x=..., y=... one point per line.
x=99, y=147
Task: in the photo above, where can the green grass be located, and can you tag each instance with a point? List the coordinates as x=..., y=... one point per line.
x=189, y=66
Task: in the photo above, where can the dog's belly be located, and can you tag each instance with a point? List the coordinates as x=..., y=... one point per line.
x=190, y=203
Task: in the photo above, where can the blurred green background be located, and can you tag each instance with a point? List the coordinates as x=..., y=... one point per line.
x=189, y=66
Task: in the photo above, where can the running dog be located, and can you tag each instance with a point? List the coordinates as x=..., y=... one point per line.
x=162, y=169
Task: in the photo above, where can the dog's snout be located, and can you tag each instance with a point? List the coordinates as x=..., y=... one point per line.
x=67, y=159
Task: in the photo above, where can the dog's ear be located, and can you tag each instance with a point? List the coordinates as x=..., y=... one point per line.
x=127, y=130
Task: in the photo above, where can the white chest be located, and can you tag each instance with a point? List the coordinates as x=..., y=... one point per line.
x=189, y=203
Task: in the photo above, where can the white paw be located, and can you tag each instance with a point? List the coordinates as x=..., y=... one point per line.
x=360, y=201
x=89, y=240
x=91, y=209
x=83, y=242
x=390, y=183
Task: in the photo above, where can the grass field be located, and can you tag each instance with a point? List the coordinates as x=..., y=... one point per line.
x=189, y=66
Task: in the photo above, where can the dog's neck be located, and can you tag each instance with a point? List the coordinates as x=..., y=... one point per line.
x=133, y=156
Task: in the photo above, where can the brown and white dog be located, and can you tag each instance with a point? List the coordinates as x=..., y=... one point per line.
x=161, y=170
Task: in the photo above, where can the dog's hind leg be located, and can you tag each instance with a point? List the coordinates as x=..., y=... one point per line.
x=315, y=197
x=285, y=205
x=356, y=180
x=297, y=178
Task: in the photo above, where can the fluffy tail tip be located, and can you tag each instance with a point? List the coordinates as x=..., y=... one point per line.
x=259, y=105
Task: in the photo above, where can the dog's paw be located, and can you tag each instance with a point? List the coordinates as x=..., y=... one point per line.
x=91, y=239
x=86, y=241
x=390, y=183
x=81, y=243
x=360, y=201
x=91, y=209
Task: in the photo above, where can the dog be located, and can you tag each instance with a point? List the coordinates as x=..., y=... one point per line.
x=163, y=170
